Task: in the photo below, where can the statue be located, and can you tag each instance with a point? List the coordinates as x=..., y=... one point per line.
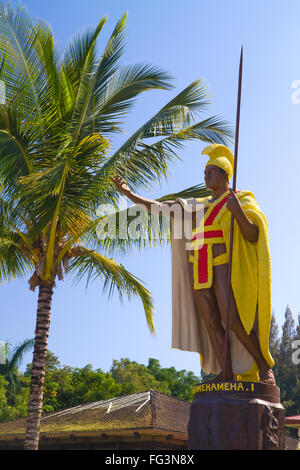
x=200, y=276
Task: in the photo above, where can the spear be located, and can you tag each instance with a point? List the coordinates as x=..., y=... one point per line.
x=236, y=146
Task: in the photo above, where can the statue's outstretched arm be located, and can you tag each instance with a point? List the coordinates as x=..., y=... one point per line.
x=124, y=189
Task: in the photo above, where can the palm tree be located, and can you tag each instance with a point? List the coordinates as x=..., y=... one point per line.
x=56, y=163
x=12, y=360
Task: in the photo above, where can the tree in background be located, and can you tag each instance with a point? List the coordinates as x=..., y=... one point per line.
x=9, y=369
x=274, y=337
x=180, y=383
x=286, y=372
x=14, y=387
x=135, y=377
x=66, y=386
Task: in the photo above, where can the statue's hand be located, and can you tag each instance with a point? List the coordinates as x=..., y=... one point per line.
x=121, y=185
x=234, y=205
x=249, y=230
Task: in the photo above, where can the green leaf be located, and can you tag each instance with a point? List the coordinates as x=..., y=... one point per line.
x=140, y=163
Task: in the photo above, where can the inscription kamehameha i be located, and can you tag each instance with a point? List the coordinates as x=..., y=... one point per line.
x=225, y=386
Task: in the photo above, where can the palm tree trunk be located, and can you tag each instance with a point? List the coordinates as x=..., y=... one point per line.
x=38, y=366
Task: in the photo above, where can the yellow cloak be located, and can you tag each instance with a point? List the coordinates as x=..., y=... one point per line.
x=251, y=285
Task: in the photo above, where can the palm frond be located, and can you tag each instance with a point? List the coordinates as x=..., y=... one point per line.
x=79, y=55
x=117, y=98
x=100, y=73
x=133, y=228
x=18, y=352
x=14, y=262
x=79, y=65
x=150, y=162
x=212, y=130
x=18, y=35
x=48, y=56
x=140, y=163
x=196, y=191
x=15, y=161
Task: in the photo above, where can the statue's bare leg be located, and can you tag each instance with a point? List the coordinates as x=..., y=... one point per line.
x=208, y=310
x=250, y=342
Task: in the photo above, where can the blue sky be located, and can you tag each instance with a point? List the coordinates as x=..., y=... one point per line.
x=190, y=39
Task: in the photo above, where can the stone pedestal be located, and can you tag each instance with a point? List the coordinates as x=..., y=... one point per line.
x=236, y=416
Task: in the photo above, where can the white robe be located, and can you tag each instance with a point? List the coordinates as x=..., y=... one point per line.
x=189, y=332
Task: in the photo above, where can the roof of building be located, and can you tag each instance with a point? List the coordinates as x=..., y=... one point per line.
x=293, y=421
x=138, y=418
x=148, y=409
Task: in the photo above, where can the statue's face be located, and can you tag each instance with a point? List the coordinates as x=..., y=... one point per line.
x=214, y=178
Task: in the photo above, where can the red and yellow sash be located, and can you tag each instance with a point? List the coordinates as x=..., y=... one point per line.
x=204, y=237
